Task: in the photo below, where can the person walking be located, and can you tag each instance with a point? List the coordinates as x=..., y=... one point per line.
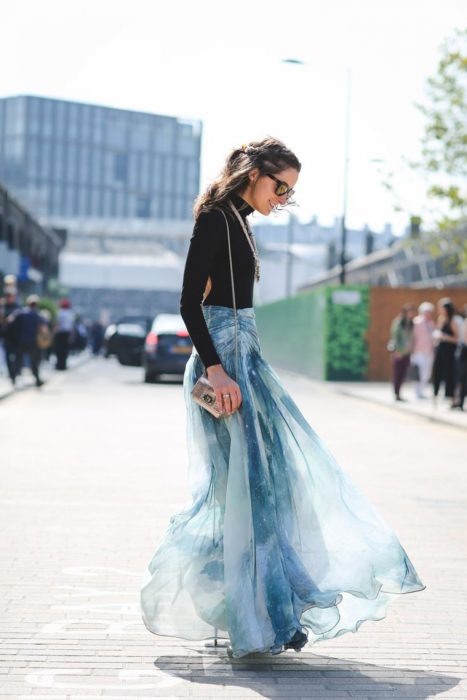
x=28, y=323
x=423, y=346
x=8, y=334
x=63, y=330
x=8, y=330
x=278, y=547
x=447, y=336
x=97, y=337
x=459, y=401
x=401, y=346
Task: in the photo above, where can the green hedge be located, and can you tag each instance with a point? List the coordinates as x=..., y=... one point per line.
x=347, y=318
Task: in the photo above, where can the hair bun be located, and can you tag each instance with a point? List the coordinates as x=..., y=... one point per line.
x=249, y=150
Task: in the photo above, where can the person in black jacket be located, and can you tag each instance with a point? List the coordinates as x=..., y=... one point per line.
x=27, y=323
x=447, y=335
x=8, y=330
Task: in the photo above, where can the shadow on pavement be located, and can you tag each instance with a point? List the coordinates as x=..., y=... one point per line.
x=307, y=676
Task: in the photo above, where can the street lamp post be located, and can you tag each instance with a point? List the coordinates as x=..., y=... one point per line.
x=342, y=276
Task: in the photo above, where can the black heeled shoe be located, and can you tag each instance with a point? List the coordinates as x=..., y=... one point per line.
x=297, y=642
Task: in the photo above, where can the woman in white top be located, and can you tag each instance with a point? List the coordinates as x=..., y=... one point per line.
x=63, y=329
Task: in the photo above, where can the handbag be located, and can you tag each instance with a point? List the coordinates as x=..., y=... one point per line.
x=43, y=337
x=203, y=393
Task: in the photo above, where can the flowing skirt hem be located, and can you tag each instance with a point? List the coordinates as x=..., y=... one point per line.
x=277, y=539
x=222, y=634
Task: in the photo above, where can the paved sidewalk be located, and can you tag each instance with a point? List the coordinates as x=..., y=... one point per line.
x=26, y=380
x=382, y=393
x=92, y=468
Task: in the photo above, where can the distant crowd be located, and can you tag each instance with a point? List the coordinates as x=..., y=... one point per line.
x=30, y=334
x=430, y=345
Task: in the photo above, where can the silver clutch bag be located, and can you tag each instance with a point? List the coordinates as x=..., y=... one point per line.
x=204, y=395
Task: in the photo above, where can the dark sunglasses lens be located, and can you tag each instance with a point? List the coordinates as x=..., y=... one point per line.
x=281, y=189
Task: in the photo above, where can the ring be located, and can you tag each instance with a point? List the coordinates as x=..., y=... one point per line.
x=224, y=396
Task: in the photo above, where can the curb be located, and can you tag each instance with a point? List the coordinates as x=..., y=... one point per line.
x=343, y=391
x=432, y=418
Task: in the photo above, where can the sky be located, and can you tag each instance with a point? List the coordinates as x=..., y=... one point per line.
x=223, y=63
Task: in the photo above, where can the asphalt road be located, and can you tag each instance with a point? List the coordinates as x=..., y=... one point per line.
x=93, y=465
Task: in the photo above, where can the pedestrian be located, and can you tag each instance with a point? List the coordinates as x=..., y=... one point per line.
x=79, y=336
x=28, y=323
x=63, y=330
x=8, y=329
x=459, y=402
x=447, y=337
x=401, y=345
x=278, y=546
x=423, y=346
x=97, y=337
x=459, y=324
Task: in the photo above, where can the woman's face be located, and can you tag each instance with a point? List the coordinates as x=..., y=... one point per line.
x=261, y=191
x=443, y=314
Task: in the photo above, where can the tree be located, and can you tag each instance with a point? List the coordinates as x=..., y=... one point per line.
x=442, y=166
x=444, y=144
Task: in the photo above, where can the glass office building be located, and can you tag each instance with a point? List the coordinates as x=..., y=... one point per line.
x=69, y=159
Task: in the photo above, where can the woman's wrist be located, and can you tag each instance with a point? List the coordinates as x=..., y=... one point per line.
x=213, y=370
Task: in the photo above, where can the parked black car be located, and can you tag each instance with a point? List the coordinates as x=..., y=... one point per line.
x=125, y=339
x=167, y=347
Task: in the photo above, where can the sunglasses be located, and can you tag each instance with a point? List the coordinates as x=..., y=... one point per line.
x=281, y=187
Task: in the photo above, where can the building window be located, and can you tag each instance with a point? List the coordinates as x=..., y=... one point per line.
x=143, y=207
x=144, y=171
x=164, y=137
x=96, y=202
x=120, y=167
x=107, y=202
x=132, y=171
x=116, y=131
x=140, y=135
x=84, y=166
x=97, y=166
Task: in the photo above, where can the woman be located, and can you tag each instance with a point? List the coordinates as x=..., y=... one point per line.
x=277, y=547
x=423, y=346
x=459, y=403
x=63, y=331
x=444, y=366
x=401, y=345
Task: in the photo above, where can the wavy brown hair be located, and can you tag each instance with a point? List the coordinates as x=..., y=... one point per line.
x=269, y=155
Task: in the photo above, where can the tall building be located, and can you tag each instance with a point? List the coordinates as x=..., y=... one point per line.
x=67, y=159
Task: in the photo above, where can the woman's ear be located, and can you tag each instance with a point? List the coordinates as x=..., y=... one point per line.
x=253, y=175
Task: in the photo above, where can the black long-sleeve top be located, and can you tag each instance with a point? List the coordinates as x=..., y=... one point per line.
x=208, y=257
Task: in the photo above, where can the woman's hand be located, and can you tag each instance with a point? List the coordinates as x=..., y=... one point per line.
x=228, y=394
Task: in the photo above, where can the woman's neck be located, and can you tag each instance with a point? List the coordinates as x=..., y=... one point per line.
x=243, y=205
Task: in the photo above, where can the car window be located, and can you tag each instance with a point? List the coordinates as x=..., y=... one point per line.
x=168, y=323
x=134, y=329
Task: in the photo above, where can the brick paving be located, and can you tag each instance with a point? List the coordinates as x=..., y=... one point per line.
x=92, y=468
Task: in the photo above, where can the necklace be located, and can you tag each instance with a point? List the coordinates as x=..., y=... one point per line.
x=250, y=238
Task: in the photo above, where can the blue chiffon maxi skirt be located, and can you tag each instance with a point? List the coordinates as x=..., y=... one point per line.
x=277, y=539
